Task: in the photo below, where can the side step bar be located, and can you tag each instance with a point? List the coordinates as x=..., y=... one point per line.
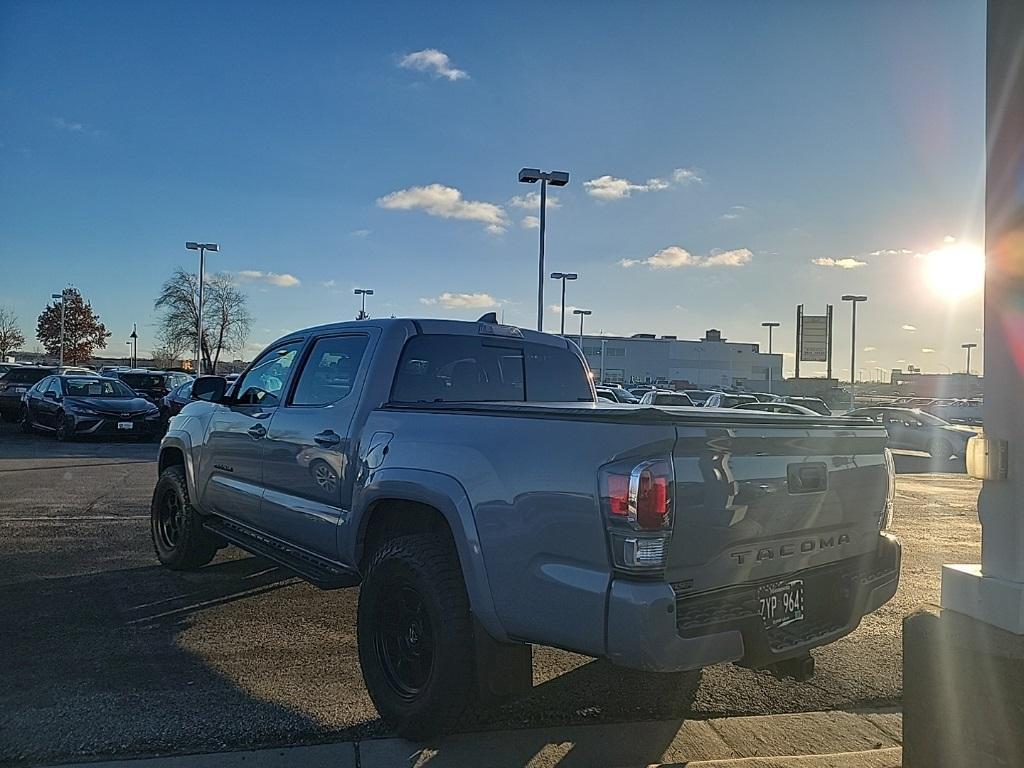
x=318, y=571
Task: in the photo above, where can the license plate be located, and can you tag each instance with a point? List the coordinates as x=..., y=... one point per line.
x=781, y=603
x=20, y=389
x=124, y=425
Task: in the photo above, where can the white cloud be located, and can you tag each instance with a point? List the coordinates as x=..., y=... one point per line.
x=556, y=309
x=73, y=126
x=530, y=222
x=329, y=283
x=846, y=263
x=446, y=203
x=870, y=349
x=674, y=257
x=614, y=188
x=282, y=280
x=892, y=252
x=734, y=212
x=435, y=62
x=949, y=239
x=686, y=176
x=910, y=328
x=927, y=350
x=360, y=232
x=462, y=300
x=531, y=201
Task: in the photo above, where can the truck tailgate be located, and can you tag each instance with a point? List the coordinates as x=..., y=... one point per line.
x=752, y=503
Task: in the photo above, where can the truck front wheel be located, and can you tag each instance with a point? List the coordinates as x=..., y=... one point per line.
x=179, y=538
x=415, y=636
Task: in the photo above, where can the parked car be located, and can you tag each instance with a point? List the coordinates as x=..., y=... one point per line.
x=73, y=406
x=915, y=430
x=427, y=461
x=666, y=397
x=153, y=385
x=815, y=404
x=787, y=408
x=5, y=367
x=640, y=391
x=766, y=397
x=728, y=400
x=15, y=383
x=699, y=396
x=967, y=411
x=172, y=403
x=621, y=394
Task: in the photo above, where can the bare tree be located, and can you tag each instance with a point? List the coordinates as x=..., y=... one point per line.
x=11, y=337
x=226, y=318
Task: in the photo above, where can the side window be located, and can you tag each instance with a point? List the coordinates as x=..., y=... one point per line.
x=186, y=391
x=54, y=386
x=263, y=384
x=39, y=387
x=330, y=370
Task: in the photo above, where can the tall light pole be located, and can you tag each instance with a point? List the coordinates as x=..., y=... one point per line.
x=969, y=346
x=61, y=296
x=854, y=300
x=771, y=327
x=202, y=248
x=557, y=179
x=364, y=292
x=563, y=276
x=582, y=313
x=135, y=346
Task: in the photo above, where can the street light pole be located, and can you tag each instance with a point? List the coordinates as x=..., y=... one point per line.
x=969, y=346
x=770, y=326
x=135, y=346
x=62, y=295
x=563, y=276
x=364, y=292
x=582, y=313
x=202, y=248
x=854, y=300
x=558, y=179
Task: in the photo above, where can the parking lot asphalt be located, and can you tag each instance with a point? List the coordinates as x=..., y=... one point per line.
x=108, y=654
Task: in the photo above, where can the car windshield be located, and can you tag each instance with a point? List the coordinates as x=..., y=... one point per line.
x=142, y=380
x=96, y=388
x=25, y=375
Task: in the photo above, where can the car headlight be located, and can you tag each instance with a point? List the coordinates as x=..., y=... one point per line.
x=78, y=410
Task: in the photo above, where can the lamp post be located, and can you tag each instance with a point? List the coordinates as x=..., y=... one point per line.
x=61, y=297
x=854, y=300
x=202, y=248
x=563, y=276
x=135, y=346
x=364, y=292
x=969, y=346
x=770, y=326
x=582, y=313
x=557, y=179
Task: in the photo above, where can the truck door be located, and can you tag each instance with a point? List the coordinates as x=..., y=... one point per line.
x=231, y=473
x=309, y=452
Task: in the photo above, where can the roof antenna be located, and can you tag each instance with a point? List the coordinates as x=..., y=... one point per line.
x=489, y=317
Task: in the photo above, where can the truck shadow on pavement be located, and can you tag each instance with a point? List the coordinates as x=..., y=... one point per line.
x=94, y=665
x=920, y=463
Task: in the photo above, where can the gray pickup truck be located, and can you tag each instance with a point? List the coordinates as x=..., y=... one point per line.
x=464, y=474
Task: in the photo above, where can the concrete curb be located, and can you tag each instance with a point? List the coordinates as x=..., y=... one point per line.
x=807, y=740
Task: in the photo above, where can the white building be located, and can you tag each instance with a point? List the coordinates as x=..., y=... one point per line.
x=644, y=358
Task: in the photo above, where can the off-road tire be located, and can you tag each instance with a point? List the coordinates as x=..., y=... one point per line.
x=179, y=538
x=427, y=566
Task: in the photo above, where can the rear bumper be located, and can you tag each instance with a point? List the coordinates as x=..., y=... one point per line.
x=11, y=404
x=651, y=627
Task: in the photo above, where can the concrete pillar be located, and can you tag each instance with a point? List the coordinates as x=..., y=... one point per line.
x=963, y=697
x=993, y=591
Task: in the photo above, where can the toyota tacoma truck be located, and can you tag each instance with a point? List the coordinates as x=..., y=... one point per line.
x=465, y=476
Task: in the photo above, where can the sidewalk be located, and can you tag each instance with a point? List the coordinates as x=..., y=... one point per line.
x=808, y=740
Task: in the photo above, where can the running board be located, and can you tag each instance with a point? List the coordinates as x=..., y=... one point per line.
x=318, y=571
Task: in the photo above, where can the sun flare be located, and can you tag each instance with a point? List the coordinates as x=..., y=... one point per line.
x=956, y=270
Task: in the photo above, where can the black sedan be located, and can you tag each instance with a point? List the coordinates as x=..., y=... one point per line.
x=76, y=406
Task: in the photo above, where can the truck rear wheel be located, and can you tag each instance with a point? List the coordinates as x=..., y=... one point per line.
x=179, y=538
x=415, y=636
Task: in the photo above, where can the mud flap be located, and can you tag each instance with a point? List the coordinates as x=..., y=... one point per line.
x=504, y=670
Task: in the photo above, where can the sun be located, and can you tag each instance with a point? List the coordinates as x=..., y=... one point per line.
x=956, y=270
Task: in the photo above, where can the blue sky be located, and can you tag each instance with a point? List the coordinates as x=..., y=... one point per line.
x=742, y=142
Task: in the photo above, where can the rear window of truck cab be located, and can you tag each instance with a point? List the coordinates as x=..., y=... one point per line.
x=441, y=368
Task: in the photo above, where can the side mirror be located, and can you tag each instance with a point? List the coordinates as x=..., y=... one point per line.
x=50, y=394
x=209, y=388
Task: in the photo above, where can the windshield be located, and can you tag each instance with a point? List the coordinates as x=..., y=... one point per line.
x=96, y=388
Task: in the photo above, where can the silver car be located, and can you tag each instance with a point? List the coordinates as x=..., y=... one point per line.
x=914, y=430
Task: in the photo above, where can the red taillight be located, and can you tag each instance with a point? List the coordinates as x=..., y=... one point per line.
x=639, y=494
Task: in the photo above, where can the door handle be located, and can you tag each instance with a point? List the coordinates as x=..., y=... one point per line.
x=257, y=431
x=327, y=439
